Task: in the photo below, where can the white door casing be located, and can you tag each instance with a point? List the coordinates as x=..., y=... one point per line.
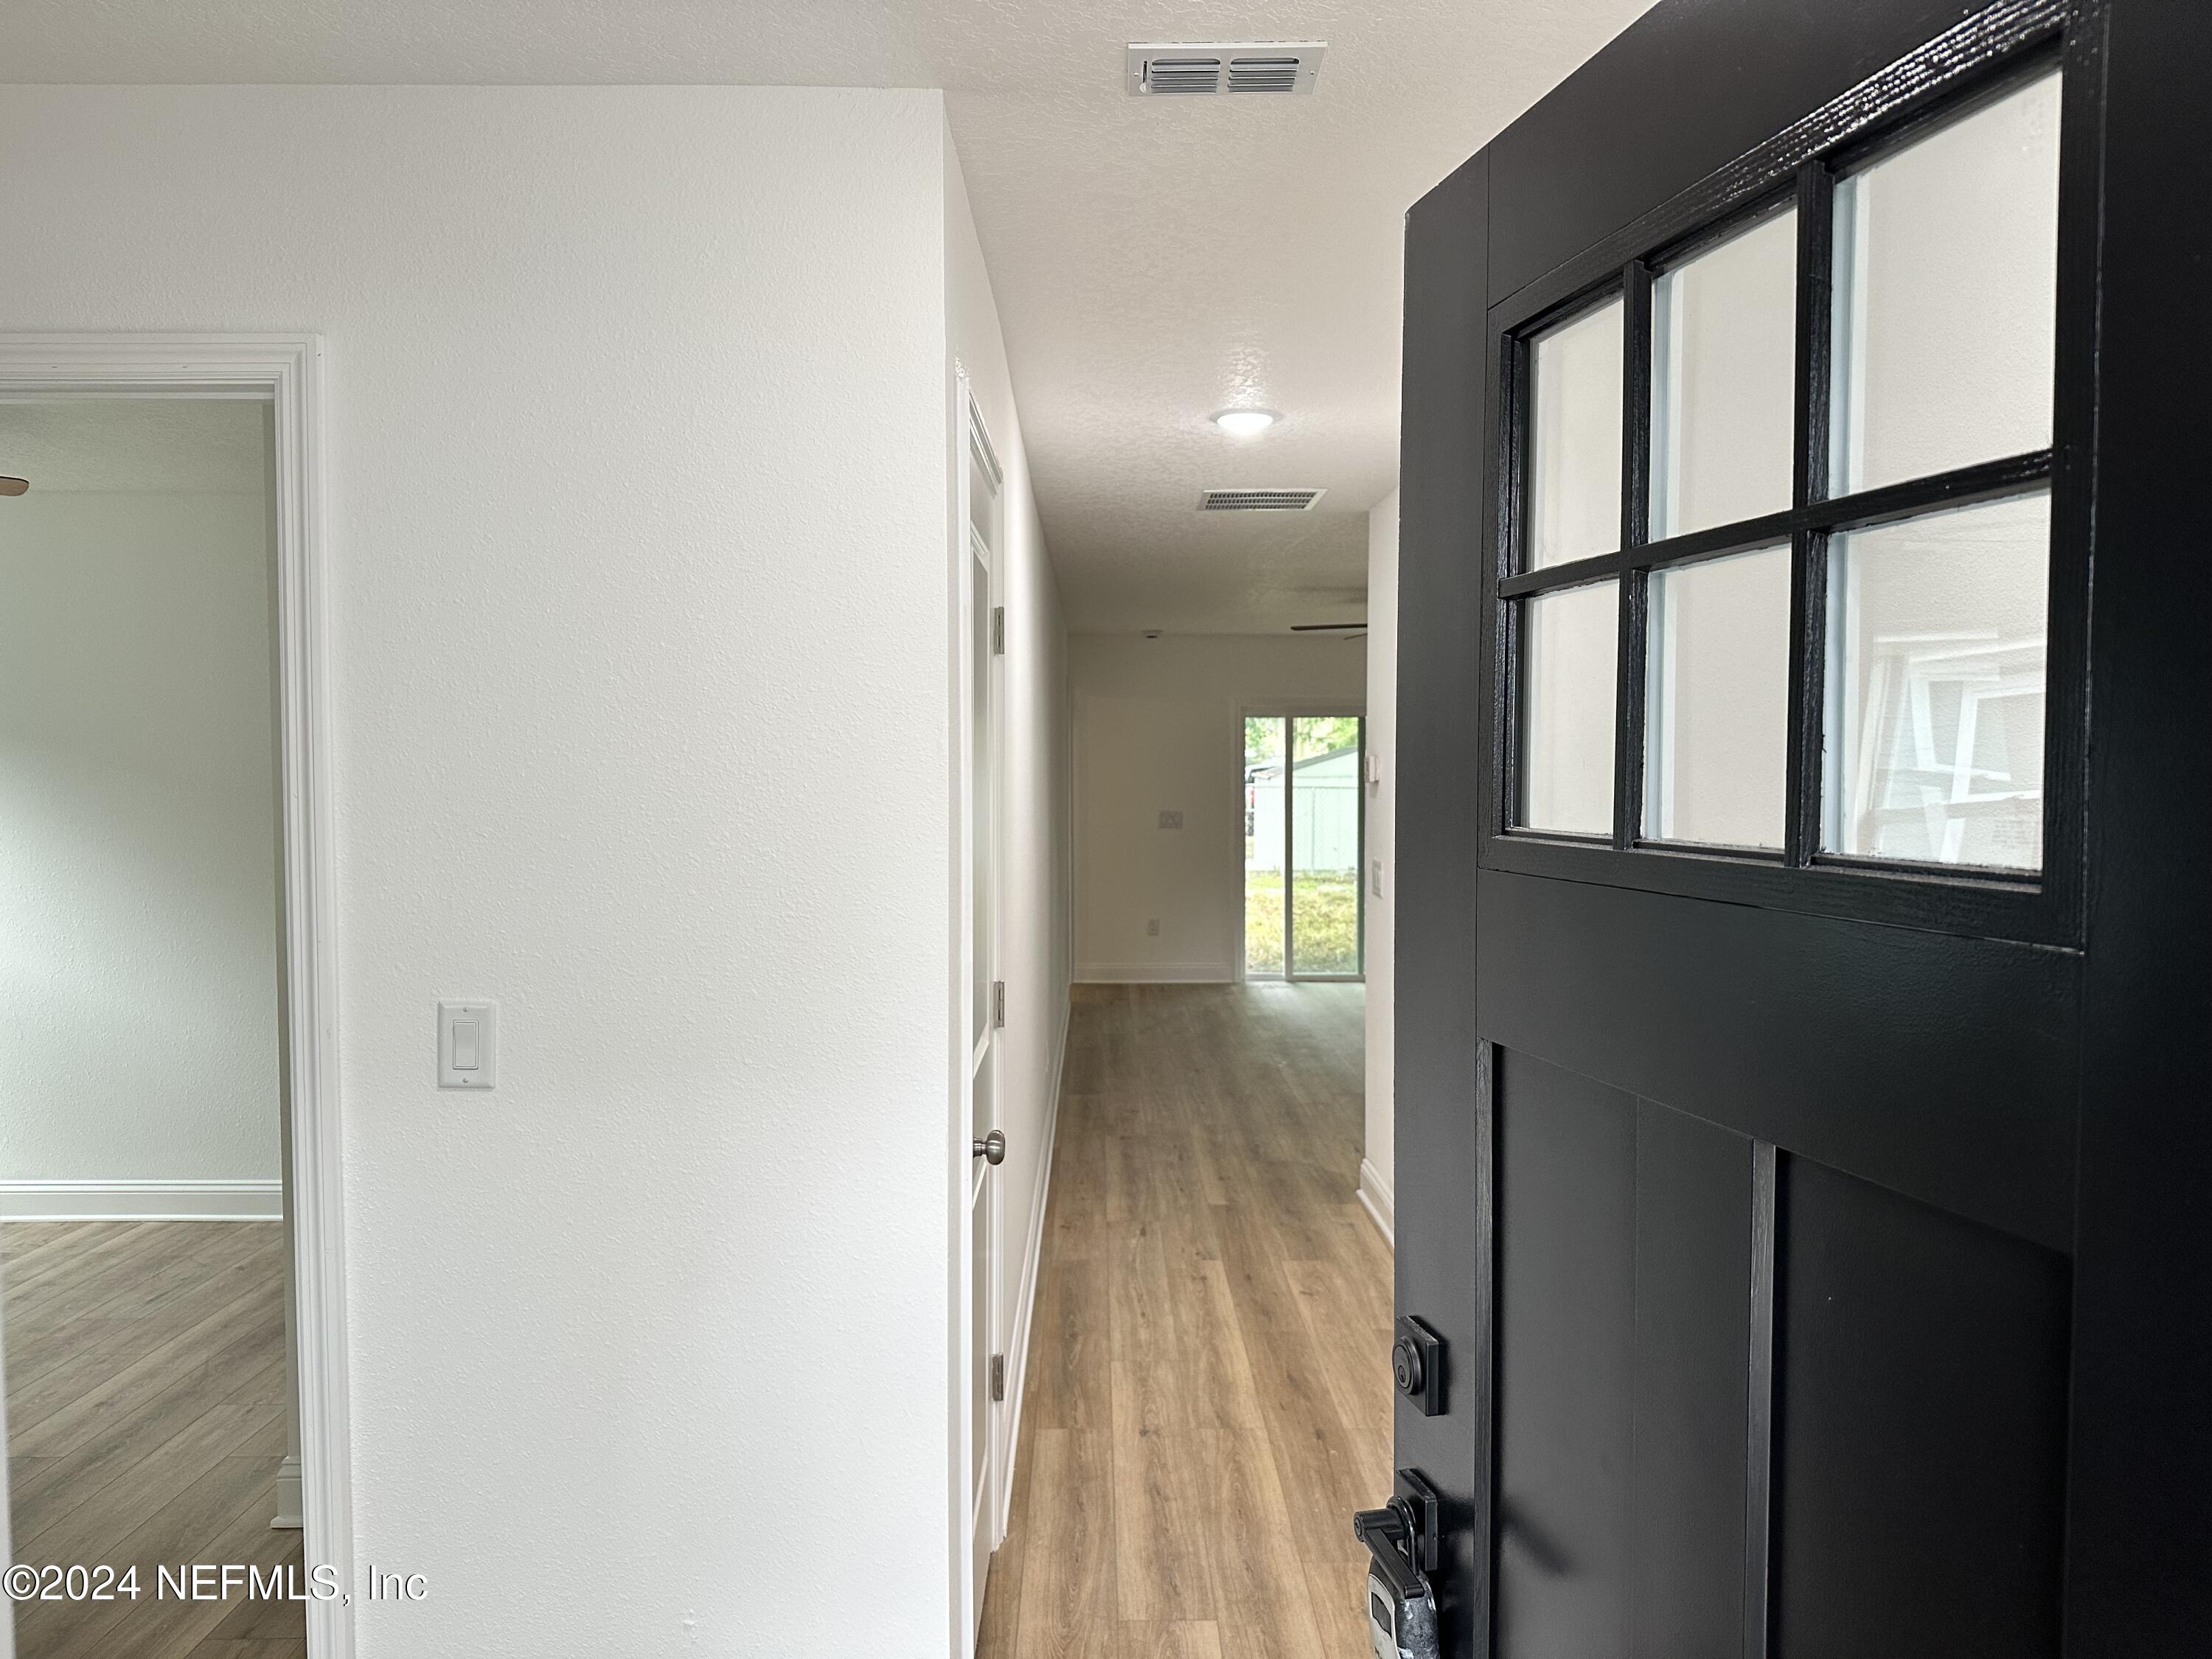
x=287, y=371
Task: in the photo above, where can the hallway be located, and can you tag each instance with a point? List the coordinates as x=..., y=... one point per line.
x=1208, y=1395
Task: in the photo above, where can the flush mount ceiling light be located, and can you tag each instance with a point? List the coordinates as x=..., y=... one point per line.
x=1244, y=422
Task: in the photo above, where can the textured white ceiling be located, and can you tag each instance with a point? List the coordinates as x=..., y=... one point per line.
x=1155, y=259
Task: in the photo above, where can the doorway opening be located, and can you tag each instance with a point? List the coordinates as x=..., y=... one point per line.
x=1305, y=831
x=141, y=1081
x=172, y=1348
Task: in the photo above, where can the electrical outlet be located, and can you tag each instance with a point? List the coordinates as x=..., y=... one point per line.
x=1153, y=926
x=1170, y=819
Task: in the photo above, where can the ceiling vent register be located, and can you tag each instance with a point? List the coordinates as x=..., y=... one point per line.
x=1258, y=500
x=1159, y=68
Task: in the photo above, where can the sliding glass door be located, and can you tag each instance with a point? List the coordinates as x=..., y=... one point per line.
x=1305, y=828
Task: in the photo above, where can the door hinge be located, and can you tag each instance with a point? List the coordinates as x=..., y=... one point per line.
x=998, y=1377
x=998, y=1002
x=997, y=630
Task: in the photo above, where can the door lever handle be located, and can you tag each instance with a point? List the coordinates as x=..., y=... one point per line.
x=1404, y=1540
x=991, y=1148
x=1390, y=1542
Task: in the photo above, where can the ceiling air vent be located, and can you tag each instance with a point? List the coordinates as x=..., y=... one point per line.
x=1160, y=67
x=1258, y=500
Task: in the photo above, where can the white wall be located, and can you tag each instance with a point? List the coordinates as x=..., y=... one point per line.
x=1159, y=726
x=637, y=517
x=1377, y=1170
x=1033, y=801
x=137, y=815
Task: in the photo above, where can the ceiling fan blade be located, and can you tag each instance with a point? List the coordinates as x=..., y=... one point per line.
x=1328, y=628
x=14, y=486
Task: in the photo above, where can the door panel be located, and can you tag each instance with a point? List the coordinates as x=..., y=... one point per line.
x=1700, y=1193
x=1945, y=1074
x=1789, y=1252
x=979, y=1355
x=1628, y=1316
x=981, y=789
x=1566, y=1285
x=1920, y=1429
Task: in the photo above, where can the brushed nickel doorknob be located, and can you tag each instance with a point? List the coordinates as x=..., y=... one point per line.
x=991, y=1148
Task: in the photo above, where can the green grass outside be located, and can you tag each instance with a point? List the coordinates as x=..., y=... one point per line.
x=1327, y=906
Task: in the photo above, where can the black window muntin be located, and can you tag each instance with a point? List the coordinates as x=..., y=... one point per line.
x=1984, y=59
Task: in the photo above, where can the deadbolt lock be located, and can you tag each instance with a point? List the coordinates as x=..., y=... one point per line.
x=1417, y=1365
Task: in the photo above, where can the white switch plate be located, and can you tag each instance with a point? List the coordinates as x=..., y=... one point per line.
x=468, y=1031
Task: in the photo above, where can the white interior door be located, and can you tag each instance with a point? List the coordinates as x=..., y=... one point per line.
x=986, y=1011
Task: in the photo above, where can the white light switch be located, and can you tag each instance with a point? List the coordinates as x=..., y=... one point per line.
x=467, y=1049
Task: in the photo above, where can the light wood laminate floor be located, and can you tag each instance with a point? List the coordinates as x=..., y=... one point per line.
x=1208, y=1396
x=146, y=1420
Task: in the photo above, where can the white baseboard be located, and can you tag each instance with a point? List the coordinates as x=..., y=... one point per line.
x=1377, y=1198
x=142, y=1200
x=1025, y=1297
x=291, y=1496
x=1155, y=973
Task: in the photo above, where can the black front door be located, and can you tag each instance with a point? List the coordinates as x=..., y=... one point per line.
x=1803, y=1148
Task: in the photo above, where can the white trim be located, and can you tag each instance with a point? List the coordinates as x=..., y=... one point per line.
x=291, y=1501
x=1017, y=1345
x=1377, y=1198
x=979, y=436
x=142, y=1200
x=1155, y=973
x=288, y=369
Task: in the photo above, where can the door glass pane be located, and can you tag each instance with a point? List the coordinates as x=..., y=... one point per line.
x=1325, y=828
x=1717, y=718
x=979, y=782
x=1935, y=674
x=1723, y=381
x=1945, y=265
x=1574, y=438
x=1264, y=849
x=1567, y=673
